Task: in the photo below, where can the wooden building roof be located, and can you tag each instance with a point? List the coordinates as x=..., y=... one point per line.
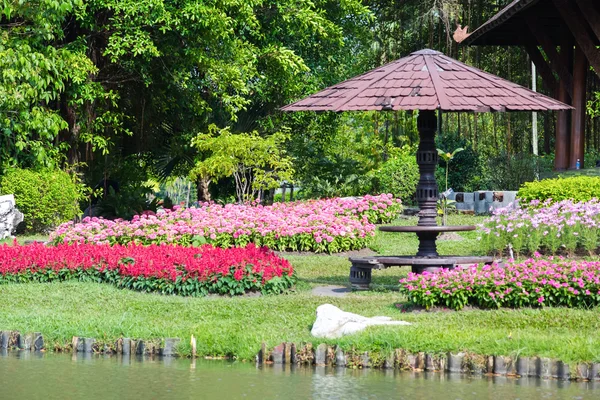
x=427, y=80
x=512, y=25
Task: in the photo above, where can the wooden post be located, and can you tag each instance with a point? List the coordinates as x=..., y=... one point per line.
x=562, y=145
x=577, y=147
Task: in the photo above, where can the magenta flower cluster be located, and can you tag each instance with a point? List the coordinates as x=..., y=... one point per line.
x=330, y=225
x=546, y=227
x=536, y=282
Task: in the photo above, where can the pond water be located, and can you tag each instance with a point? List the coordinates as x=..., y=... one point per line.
x=60, y=376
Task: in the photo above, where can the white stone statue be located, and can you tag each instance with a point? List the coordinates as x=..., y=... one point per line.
x=333, y=323
x=10, y=217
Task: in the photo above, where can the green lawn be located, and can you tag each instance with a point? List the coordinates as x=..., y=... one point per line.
x=237, y=326
x=25, y=238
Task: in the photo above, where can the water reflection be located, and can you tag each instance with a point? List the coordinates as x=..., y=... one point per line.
x=37, y=375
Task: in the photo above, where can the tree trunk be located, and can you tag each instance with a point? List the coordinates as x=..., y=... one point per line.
x=495, y=131
x=71, y=134
x=508, y=149
x=202, y=189
x=547, y=132
x=475, y=122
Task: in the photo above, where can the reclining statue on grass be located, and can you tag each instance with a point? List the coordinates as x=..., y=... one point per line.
x=333, y=323
x=10, y=217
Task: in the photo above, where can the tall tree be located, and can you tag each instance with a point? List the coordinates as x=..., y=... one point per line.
x=123, y=76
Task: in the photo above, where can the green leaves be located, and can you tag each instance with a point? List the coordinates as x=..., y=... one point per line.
x=448, y=156
x=593, y=105
x=91, y=72
x=37, y=74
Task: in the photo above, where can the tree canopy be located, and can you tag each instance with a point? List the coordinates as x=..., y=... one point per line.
x=256, y=163
x=85, y=76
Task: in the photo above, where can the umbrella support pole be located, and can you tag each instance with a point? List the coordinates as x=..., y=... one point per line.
x=427, y=188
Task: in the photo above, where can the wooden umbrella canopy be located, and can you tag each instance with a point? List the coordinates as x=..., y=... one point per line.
x=426, y=80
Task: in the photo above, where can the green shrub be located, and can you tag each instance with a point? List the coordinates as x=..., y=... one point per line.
x=399, y=176
x=46, y=198
x=578, y=188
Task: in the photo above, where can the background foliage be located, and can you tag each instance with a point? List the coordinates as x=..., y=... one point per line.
x=93, y=84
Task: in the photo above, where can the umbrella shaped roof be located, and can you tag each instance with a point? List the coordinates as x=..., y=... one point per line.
x=427, y=80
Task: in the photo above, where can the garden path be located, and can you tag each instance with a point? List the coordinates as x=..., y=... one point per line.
x=331, y=291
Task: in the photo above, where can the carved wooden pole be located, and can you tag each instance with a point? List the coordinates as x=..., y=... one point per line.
x=427, y=188
x=427, y=159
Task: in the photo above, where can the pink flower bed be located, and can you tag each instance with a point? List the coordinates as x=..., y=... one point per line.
x=330, y=225
x=546, y=227
x=190, y=271
x=536, y=282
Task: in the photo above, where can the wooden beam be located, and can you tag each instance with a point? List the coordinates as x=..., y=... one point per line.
x=544, y=69
x=549, y=48
x=573, y=19
x=591, y=14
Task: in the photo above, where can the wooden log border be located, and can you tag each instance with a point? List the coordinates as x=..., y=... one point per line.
x=324, y=355
x=15, y=341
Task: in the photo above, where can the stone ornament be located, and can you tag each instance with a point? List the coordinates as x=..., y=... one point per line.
x=333, y=323
x=10, y=217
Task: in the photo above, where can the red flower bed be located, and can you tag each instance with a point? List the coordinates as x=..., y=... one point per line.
x=190, y=271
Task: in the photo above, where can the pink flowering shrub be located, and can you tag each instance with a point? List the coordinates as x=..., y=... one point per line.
x=536, y=282
x=546, y=227
x=167, y=269
x=330, y=225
